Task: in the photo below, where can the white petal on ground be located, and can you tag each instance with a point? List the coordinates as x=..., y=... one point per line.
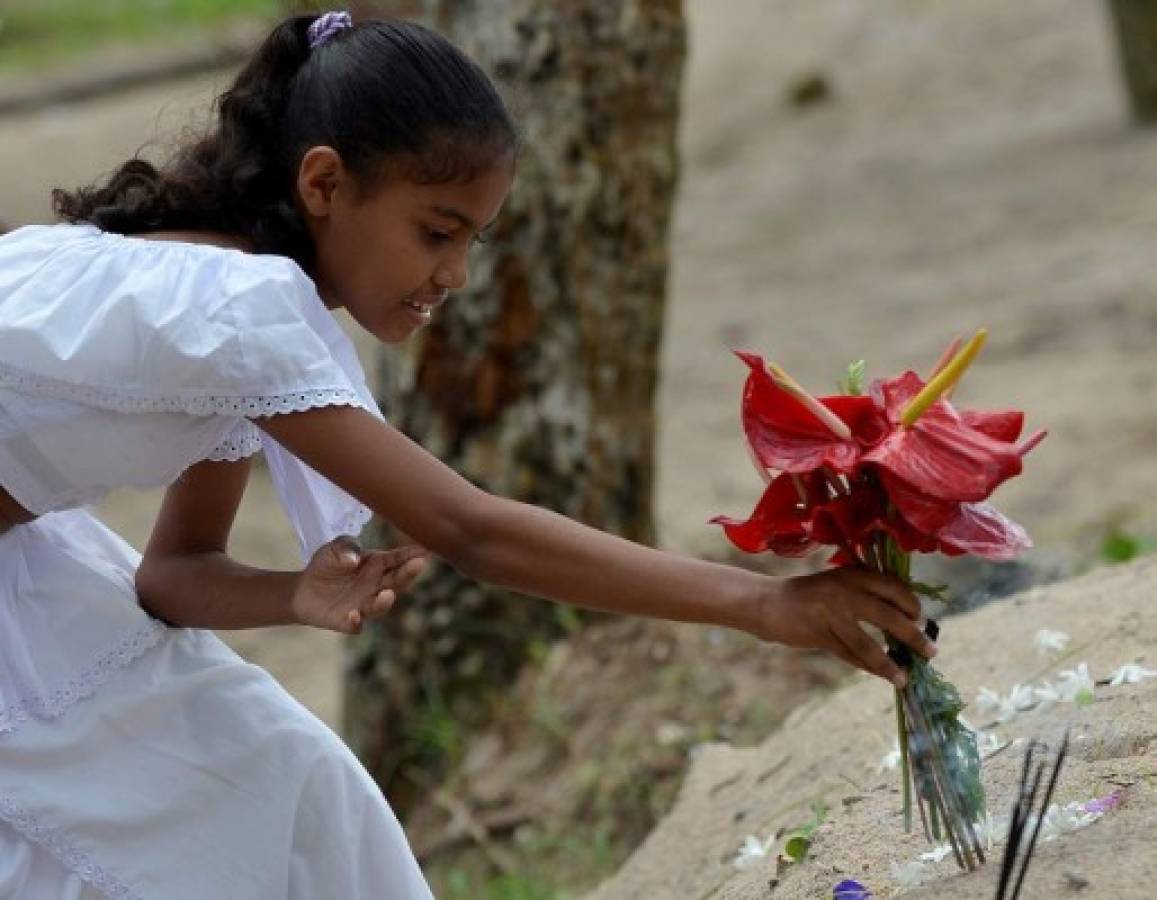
x=909, y=874
x=752, y=852
x=988, y=742
x=936, y=853
x=1049, y=642
x=1046, y=695
x=889, y=760
x=1061, y=820
x=1001, y=708
x=991, y=831
x=1022, y=697
x=1130, y=674
x=1073, y=683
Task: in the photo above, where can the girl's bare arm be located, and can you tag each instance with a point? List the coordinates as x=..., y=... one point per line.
x=538, y=552
x=187, y=579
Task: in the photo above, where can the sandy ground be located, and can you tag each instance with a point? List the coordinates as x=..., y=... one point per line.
x=974, y=167
x=830, y=750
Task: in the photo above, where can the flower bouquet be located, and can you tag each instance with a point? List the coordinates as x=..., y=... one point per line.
x=879, y=476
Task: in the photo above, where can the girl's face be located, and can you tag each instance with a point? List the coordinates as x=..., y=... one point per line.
x=392, y=256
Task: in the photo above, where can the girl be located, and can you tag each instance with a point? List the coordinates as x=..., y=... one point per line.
x=178, y=324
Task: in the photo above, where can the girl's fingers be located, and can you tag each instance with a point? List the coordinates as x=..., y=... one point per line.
x=353, y=622
x=392, y=560
x=894, y=591
x=869, y=656
x=379, y=604
x=887, y=617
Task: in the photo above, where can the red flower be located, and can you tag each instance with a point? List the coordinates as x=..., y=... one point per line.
x=941, y=456
x=780, y=523
x=982, y=530
x=785, y=436
x=922, y=485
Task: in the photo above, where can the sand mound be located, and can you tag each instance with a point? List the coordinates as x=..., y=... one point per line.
x=829, y=750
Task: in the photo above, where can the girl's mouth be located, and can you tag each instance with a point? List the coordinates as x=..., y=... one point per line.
x=423, y=313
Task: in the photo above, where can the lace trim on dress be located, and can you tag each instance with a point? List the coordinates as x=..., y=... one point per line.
x=241, y=444
x=53, y=840
x=193, y=404
x=357, y=520
x=85, y=684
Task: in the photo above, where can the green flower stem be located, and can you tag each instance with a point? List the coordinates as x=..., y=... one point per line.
x=905, y=769
x=955, y=821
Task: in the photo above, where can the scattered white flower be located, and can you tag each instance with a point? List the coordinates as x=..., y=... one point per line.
x=1130, y=674
x=1049, y=642
x=1000, y=708
x=1022, y=697
x=1063, y=819
x=988, y=742
x=752, y=851
x=1075, y=685
x=889, y=760
x=936, y=853
x=991, y=831
x=909, y=874
x=1046, y=695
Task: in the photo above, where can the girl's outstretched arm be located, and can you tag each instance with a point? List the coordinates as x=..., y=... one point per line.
x=532, y=550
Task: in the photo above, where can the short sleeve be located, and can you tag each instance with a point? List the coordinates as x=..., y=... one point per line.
x=133, y=326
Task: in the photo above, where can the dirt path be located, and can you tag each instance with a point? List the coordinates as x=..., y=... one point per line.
x=973, y=168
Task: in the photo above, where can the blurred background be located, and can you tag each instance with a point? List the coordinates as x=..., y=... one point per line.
x=856, y=180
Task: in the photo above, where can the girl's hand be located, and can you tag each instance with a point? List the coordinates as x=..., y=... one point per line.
x=824, y=612
x=343, y=586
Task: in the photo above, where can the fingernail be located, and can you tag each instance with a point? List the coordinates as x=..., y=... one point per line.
x=899, y=679
x=930, y=650
x=350, y=558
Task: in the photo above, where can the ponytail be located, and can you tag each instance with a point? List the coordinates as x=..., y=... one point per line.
x=376, y=92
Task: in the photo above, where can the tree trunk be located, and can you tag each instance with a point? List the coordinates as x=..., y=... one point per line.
x=538, y=381
x=1135, y=23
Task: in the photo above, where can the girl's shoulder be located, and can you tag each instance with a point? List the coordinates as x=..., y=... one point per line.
x=160, y=324
x=106, y=259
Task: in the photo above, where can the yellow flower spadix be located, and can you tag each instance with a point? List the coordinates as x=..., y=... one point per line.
x=944, y=380
x=831, y=421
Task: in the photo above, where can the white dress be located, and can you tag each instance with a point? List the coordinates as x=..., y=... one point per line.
x=139, y=760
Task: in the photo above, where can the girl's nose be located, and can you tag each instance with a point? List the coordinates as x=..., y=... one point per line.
x=452, y=276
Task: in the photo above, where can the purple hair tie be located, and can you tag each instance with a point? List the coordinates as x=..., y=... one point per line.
x=326, y=26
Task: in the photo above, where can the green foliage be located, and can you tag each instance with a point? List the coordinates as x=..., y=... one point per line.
x=501, y=887
x=853, y=381
x=799, y=839
x=568, y=619
x=938, y=592
x=942, y=705
x=36, y=32
x=1120, y=546
x=435, y=730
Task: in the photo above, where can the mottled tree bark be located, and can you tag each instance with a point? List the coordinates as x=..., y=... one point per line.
x=538, y=381
x=1135, y=23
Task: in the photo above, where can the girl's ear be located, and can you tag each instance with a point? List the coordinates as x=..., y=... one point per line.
x=318, y=177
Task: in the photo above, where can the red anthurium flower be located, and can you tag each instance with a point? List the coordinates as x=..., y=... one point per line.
x=854, y=518
x=982, y=530
x=1002, y=424
x=941, y=455
x=781, y=522
x=786, y=436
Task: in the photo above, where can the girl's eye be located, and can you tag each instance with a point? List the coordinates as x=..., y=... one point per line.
x=438, y=237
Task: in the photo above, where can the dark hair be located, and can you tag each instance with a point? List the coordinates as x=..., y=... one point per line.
x=385, y=94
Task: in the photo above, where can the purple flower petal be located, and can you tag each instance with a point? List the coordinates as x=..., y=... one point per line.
x=850, y=889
